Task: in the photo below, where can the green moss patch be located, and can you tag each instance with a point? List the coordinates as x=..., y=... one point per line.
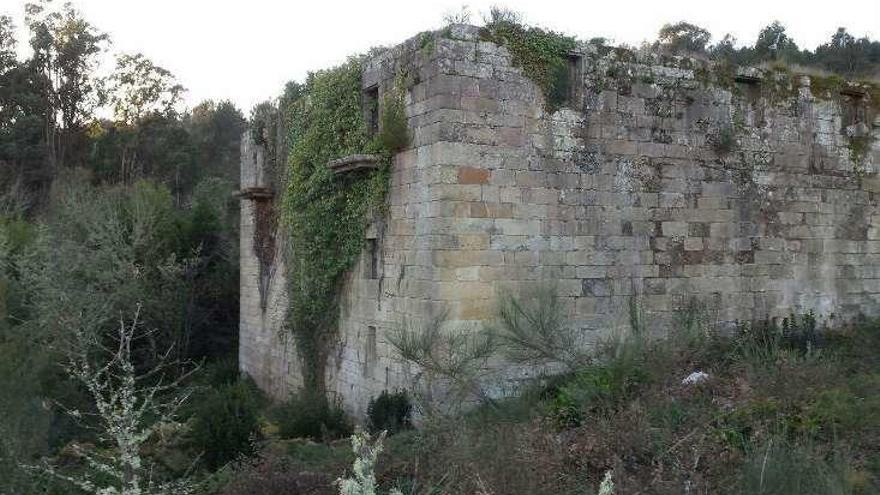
x=542, y=55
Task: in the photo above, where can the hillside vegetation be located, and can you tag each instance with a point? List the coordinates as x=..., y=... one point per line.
x=119, y=310
x=782, y=409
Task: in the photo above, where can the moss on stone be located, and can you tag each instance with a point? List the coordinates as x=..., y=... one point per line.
x=541, y=54
x=859, y=146
x=826, y=87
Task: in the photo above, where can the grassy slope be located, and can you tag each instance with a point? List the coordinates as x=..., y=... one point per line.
x=785, y=411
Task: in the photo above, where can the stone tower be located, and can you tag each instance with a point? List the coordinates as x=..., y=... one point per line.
x=653, y=186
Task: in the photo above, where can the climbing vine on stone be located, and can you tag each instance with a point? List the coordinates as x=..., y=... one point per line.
x=326, y=215
x=541, y=54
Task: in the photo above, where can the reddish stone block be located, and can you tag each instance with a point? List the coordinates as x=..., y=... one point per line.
x=471, y=175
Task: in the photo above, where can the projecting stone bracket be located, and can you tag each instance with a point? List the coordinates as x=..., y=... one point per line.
x=255, y=193
x=354, y=162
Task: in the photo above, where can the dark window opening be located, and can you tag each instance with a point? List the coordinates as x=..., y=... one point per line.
x=370, y=352
x=575, y=79
x=749, y=88
x=853, y=108
x=747, y=79
x=371, y=108
x=372, y=259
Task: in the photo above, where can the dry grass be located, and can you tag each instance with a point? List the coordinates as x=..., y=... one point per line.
x=782, y=420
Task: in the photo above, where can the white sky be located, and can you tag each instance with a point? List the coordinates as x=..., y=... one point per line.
x=245, y=50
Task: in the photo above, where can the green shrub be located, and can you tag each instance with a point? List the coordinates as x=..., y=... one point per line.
x=391, y=412
x=311, y=415
x=596, y=389
x=221, y=372
x=394, y=135
x=838, y=410
x=226, y=423
x=270, y=473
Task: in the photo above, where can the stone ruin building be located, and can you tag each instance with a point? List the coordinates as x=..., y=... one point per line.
x=653, y=184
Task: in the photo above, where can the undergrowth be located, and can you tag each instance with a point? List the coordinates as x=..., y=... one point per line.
x=786, y=408
x=311, y=415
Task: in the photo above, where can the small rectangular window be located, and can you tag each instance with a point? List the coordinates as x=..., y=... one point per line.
x=372, y=259
x=853, y=108
x=370, y=352
x=749, y=86
x=748, y=79
x=371, y=108
x=575, y=79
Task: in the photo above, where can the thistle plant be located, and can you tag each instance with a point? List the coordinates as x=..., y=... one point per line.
x=363, y=481
x=606, y=487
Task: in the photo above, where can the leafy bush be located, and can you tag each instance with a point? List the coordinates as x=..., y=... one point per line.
x=311, y=415
x=220, y=372
x=226, y=423
x=390, y=412
x=596, y=389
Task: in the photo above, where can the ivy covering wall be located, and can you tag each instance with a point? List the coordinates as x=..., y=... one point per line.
x=326, y=215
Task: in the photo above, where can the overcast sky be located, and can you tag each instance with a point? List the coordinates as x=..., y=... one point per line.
x=245, y=50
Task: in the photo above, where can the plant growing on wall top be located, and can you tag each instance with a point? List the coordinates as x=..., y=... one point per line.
x=325, y=215
x=541, y=54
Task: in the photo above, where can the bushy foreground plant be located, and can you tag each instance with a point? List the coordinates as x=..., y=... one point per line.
x=596, y=389
x=311, y=415
x=451, y=361
x=391, y=412
x=363, y=479
x=226, y=423
x=766, y=342
x=781, y=468
x=272, y=473
x=532, y=330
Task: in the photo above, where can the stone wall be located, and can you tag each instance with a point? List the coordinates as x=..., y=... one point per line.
x=266, y=351
x=653, y=189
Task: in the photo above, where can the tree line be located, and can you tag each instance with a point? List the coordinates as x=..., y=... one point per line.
x=843, y=54
x=116, y=209
x=52, y=102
